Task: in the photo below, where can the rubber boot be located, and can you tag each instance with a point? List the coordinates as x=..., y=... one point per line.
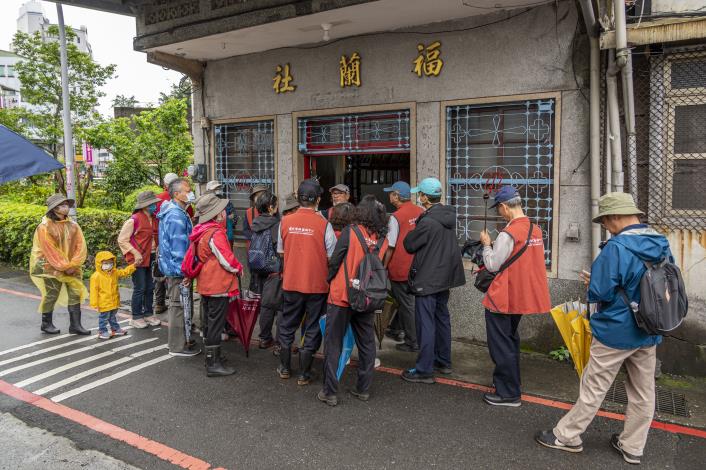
x=214, y=366
x=75, y=326
x=285, y=366
x=306, y=358
x=48, y=325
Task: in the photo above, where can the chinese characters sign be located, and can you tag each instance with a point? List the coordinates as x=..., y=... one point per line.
x=283, y=79
x=350, y=70
x=428, y=62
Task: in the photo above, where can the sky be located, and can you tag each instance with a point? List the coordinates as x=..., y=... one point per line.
x=110, y=37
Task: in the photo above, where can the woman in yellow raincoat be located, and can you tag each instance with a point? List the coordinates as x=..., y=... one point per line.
x=56, y=262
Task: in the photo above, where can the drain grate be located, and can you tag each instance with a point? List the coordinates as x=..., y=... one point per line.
x=666, y=400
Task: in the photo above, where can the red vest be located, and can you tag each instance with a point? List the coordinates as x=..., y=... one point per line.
x=305, y=258
x=401, y=261
x=338, y=295
x=142, y=238
x=522, y=288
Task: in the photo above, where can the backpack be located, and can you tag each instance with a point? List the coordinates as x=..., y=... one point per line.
x=191, y=266
x=262, y=257
x=663, y=302
x=368, y=291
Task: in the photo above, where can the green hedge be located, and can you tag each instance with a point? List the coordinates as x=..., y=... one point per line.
x=18, y=221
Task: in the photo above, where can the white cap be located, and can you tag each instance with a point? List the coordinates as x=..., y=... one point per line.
x=169, y=177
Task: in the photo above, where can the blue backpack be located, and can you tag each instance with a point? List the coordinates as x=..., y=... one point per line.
x=262, y=258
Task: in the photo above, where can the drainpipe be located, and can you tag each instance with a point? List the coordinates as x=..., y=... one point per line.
x=614, y=116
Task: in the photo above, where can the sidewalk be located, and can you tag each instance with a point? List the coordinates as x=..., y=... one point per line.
x=541, y=376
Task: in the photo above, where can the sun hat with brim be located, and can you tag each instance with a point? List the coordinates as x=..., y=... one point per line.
x=428, y=186
x=209, y=206
x=290, y=202
x=616, y=204
x=56, y=200
x=146, y=199
x=213, y=185
x=258, y=188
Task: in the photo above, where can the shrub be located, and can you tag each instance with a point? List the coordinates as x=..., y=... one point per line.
x=131, y=199
x=26, y=192
x=18, y=221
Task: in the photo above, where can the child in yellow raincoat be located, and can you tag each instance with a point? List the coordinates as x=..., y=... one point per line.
x=105, y=293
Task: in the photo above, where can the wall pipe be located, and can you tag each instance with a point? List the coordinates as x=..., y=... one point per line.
x=614, y=116
x=631, y=138
x=621, y=34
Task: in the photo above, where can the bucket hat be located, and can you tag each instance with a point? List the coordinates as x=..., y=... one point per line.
x=258, y=188
x=209, y=206
x=146, y=199
x=56, y=200
x=290, y=202
x=616, y=204
x=428, y=186
x=213, y=185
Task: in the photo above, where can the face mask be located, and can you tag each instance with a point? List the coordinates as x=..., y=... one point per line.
x=107, y=266
x=190, y=197
x=152, y=208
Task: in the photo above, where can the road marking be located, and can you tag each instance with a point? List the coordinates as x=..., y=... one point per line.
x=155, y=329
x=46, y=350
x=89, y=372
x=80, y=362
x=110, y=378
x=42, y=351
x=159, y=450
x=57, y=356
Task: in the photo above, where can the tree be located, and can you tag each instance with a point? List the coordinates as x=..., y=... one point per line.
x=145, y=148
x=182, y=91
x=40, y=75
x=122, y=101
x=14, y=119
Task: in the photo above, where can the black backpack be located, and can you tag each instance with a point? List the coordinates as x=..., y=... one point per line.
x=663, y=302
x=368, y=291
x=262, y=257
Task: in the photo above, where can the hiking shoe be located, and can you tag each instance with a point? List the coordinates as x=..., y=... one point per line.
x=153, y=321
x=283, y=373
x=497, y=400
x=306, y=379
x=266, y=344
x=119, y=332
x=362, y=396
x=627, y=456
x=406, y=348
x=186, y=352
x=412, y=375
x=105, y=335
x=139, y=323
x=548, y=439
x=330, y=400
x=442, y=369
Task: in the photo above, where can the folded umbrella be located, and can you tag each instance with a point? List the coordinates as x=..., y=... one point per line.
x=383, y=318
x=571, y=319
x=20, y=158
x=185, y=296
x=242, y=316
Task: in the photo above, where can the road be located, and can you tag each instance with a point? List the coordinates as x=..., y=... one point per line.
x=161, y=406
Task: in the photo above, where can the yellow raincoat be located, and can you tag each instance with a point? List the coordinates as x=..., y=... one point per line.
x=56, y=261
x=105, y=295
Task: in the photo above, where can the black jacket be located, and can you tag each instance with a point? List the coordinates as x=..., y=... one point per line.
x=437, y=264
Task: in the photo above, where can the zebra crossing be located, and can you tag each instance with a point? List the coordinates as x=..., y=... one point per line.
x=68, y=365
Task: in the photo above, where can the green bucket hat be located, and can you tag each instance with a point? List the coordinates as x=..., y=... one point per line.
x=616, y=204
x=209, y=206
x=56, y=200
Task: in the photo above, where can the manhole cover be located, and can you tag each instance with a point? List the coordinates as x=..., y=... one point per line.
x=666, y=401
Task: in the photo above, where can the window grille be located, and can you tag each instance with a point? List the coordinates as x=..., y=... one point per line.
x=245, y=156
x=369, y=133
x=492, y=145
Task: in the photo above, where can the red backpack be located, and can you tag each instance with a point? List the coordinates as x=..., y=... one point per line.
x=192, y=265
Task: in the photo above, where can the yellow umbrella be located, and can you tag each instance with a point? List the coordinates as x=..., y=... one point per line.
x=572, y=322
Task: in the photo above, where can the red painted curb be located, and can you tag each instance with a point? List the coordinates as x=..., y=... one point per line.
x=130, y=438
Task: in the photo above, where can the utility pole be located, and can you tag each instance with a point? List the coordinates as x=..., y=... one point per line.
x=68, y=133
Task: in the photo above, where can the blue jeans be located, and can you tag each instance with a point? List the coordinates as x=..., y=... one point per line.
x=105, y=318
x=433, y=331
x=142, y=291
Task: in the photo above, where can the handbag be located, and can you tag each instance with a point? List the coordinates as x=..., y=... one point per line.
x=485, y=278
x=272, y=298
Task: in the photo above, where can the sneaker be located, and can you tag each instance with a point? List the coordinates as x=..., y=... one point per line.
x=139, y=323
x=628, y=457
x=412, y=375
x=330, y=400
x=153, y=321
x=119, y=332
x=283, y=373
x=497, y=400
x=186, y=352
x=105, y=335
x=362, y=396
x=548, y=439
x=442, y=369
x=406, y=348
x=376, y=365
x=266, y=344
x=225, y=336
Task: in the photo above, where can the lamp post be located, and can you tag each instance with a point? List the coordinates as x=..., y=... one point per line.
x=68, y=133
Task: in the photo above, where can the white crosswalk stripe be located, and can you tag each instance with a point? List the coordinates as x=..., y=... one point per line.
x=58, y=356
x=80, y=362
x=95, y=370
x=110, y=378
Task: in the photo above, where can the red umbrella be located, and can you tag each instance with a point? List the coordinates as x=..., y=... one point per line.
x=242, y=315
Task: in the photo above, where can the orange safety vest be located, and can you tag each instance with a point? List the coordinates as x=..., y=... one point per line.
x=401, y=261
x=142, y=239
x=305, y=258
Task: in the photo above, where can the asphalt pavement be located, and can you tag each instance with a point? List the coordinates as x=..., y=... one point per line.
x=255, y=420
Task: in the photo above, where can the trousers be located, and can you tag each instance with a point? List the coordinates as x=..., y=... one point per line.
x=504, y=348
x=296, y=306
x=433, y=331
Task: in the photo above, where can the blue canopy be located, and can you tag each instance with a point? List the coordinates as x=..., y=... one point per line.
x=20, y=158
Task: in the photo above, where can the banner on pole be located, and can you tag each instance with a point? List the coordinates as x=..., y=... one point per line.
x=87, y=154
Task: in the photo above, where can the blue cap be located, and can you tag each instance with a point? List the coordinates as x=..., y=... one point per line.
x=400, y=187
x=505, y=194
x=428, y=186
